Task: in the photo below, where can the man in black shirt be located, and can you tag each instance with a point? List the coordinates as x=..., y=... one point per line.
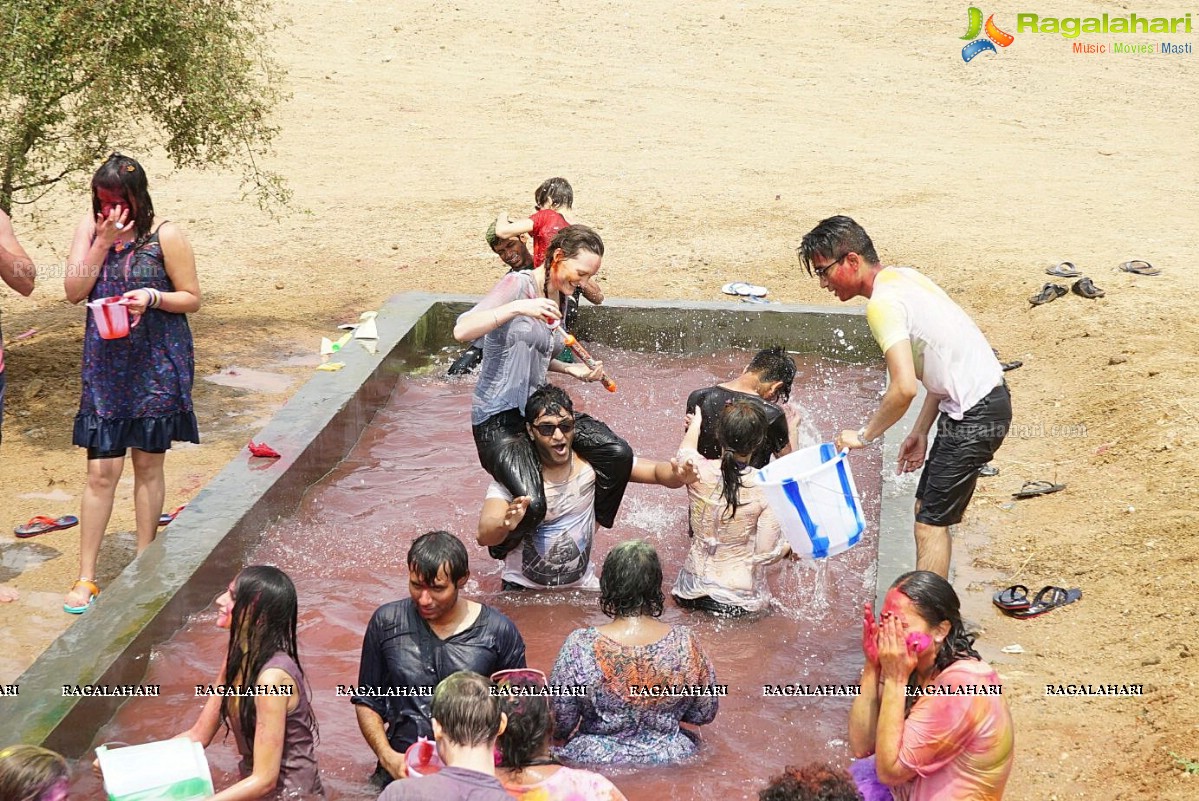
x=766, y=382
x=412, y=644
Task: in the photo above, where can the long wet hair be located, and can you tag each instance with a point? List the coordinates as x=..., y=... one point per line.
x=742, y=428
x=28, y=771
x=265, y=609
x=935, y=601
x=123, y=174
x=571, y=240
x=526, y=740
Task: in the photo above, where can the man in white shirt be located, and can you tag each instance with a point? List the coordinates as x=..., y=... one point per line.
x=926, y=337
x=558, y=553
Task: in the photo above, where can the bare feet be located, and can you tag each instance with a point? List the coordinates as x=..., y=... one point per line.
x=8, y=595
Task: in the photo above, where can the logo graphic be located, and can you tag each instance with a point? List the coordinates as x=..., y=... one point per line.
x=974, y=27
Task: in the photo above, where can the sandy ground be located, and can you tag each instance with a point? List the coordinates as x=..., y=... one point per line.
x=703, y=140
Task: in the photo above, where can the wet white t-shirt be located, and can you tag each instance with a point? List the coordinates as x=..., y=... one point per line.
x=558, y=553
x=951, y=356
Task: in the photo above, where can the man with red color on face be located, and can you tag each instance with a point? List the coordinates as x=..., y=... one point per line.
x=925, y=337
x=412, y=644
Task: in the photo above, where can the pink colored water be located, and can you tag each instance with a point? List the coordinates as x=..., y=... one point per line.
x=415, y=469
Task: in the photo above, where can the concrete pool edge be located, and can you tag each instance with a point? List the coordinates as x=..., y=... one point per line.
x=314, y=430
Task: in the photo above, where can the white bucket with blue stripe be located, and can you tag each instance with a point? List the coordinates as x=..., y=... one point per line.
x=812, y=494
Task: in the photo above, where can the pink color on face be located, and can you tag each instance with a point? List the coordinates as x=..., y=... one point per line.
x=919, y=641
x=896, y=604
x=110, y=199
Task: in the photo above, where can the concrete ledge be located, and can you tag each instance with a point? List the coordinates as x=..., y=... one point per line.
x=206, y=545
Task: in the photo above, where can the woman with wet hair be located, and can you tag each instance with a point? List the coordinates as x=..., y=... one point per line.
x=527, y=769
x=268, y=707
x=644, y=678
x=734, y=534
x=137, y=389
x=931, y=711
x=519, y=321
x=30, y=773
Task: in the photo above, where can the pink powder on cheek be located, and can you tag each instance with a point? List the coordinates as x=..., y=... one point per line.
x=919, y=641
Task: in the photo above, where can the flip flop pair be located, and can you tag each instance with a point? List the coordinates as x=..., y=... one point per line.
x=1014, y=601
x=44, y=524
x=744, y=290
x=1083, y=287
x=1139, y=267
x=1033, y=489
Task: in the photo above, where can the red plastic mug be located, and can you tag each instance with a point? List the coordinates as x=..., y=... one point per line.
x=112, y=317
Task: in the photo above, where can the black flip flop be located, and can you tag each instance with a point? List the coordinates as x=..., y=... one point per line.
x=988, y=470
x=1032, y=489
x=1048, y=292
x=1064, y=270
x=1012, y=599
x=1012, y=365
x=1087, y=289
x=1048, y=599
x=1139, y=267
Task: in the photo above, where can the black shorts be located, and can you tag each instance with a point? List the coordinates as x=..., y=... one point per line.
x=96, y=453
x=959, y=450
x=706, y=603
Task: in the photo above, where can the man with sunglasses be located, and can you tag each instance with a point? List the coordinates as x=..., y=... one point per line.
x=765, y=383
x=925, y=337
x=558, y=553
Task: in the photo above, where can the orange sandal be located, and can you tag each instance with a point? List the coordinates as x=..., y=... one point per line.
x=93, y=590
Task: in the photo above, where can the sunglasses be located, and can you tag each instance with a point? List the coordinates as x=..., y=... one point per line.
x=820, y=272
x=547, y=429
x=520, y=676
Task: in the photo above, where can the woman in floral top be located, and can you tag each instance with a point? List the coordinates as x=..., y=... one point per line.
x=643, y=678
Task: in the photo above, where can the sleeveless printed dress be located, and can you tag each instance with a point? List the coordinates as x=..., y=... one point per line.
x=137, y=390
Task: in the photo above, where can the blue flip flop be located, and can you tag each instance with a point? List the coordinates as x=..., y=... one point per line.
x=43, y=524
x=93, y=589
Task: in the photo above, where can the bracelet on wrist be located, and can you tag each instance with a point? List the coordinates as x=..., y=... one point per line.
x=867, y=442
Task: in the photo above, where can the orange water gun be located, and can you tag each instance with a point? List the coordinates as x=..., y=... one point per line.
x=587, y=359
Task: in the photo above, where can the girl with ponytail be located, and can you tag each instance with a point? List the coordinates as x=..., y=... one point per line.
x=734, y=535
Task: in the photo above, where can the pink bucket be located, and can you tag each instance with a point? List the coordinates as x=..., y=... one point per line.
x=112, y=317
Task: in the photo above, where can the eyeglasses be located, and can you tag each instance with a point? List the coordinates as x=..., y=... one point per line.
x=821, y=272
x=547, y=429
x=520, y=676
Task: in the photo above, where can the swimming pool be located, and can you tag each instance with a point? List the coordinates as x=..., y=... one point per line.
x=345, y=546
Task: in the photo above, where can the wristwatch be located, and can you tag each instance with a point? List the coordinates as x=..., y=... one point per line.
x=867, y=442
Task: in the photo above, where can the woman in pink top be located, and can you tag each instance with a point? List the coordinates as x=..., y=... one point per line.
x=931, y=711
